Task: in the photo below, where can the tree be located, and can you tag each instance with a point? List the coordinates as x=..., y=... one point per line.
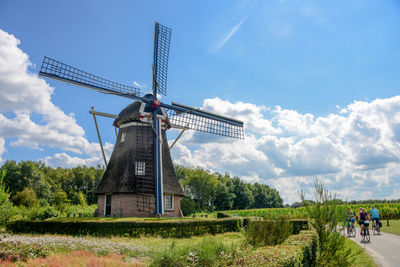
x=26, y=197
x=223, y=198
x=200, y=185
x=7, y=210
x=243, y=196
x=60, y=199
x=326, y=215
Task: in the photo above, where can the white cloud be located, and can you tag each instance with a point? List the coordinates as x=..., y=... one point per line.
x=24, y=94
x=228, y=35
x=358, y=147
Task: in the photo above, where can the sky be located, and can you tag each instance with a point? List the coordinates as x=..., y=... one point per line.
x=317, y=84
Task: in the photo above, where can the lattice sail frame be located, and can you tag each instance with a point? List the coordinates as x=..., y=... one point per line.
x=161, y=68
x=56, y=70
x=203, y=124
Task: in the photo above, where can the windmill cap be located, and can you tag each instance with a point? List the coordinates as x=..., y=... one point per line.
x=131, y=113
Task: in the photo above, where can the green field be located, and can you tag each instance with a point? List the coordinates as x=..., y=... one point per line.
x=387, y=210
x=393, y=228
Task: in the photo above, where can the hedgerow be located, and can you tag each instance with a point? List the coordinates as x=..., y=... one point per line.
x=297, y=250
x=178, y=228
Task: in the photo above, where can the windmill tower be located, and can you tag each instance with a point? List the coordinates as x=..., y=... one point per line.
x=140, y=179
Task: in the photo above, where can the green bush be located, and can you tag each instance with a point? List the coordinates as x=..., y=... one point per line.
x=166, y=228
x=7, y=210
x=261, y=232
x=223, y=215
x=209, y=252
x=39, y=213
x=297, y=250
x=79, y=210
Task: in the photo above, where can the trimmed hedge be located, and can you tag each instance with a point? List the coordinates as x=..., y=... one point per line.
x=297, y=250
x=221, y=215
x=182, y=228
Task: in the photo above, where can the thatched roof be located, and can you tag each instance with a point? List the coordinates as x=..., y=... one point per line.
x=137, y=146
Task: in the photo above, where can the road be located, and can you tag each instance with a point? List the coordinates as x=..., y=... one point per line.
x=384, y=248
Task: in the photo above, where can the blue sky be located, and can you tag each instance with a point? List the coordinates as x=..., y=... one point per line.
x=316, y=83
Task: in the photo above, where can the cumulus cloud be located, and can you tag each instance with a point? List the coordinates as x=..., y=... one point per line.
x=24, y=94
x=356, y=148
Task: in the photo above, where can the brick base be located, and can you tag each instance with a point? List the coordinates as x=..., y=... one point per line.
x=134, y=205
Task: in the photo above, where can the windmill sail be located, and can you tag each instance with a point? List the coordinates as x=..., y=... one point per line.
x=182, y=116
x=59, y=71
x=162, y=39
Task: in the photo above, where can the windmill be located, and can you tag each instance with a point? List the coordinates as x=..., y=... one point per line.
x=147, y=111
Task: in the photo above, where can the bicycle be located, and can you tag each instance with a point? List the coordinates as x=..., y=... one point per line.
x=352, y=228
x=376, y=228
x=365, y=233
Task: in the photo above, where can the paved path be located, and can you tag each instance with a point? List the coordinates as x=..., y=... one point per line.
x=384, y=248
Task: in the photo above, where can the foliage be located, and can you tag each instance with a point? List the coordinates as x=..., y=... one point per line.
x=210, y=252
x=387, y=210
x=7, y=210
x=223, y=215
x=38, y=213
x=167, y=228
x=78, y=184
x=206, y=191
x=46, y=243
x=297, y=250
x=18, y=251
x=26, y=197
x=60, y=199
x=326, y=215
x=261, y=232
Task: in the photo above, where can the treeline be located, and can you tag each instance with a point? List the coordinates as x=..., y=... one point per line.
x=32, y=184
x=206, y=191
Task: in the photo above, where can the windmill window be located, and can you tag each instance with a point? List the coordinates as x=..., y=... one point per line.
x=140, y=167
x=123, y=137
x=107, y=208
x=169, y=202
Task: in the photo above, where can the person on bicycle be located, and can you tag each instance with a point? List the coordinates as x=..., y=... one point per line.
x=350, y=218
x=363, y=216
x=374, y=215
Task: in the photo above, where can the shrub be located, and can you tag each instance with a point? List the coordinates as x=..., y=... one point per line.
x=268, y=232
x=79, y=210
x=179, y=228
x=297, y=250
x=223, y=215
x=26, y=197
x=326, y=215
x=209, y=252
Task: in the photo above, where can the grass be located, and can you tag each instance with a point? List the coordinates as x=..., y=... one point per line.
x=393, y=228
x=362, y=258
x=80, y=258
x=137, y=250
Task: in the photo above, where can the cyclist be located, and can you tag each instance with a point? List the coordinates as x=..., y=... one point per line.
x=350, y=218
x=363, y=216
x=374, y=215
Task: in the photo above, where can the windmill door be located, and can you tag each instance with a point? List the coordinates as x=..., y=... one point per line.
x=108, y=205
